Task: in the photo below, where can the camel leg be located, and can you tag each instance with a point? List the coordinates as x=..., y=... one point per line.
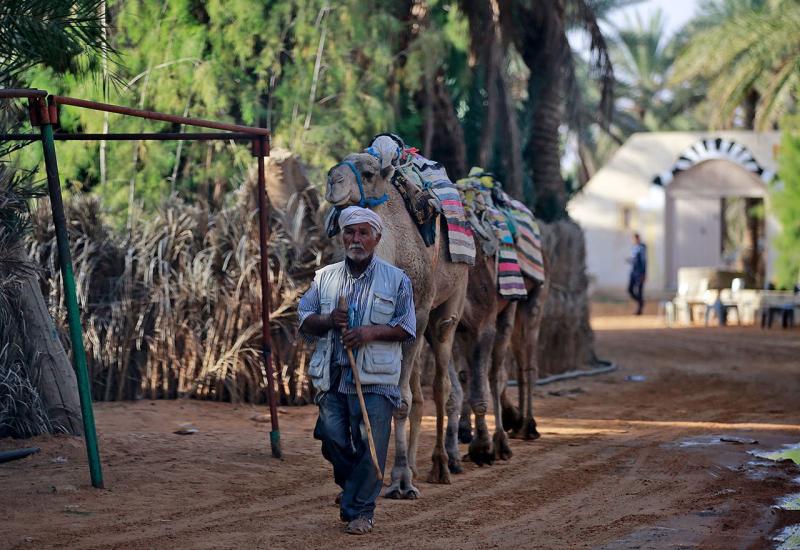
x=534, y=313
x=505, y=326
x=454, y=404
x=517, y=339
x=480, y=449
x=401, y=486
x=465, y=420
x=415, y=416
x=443, y=330
x=512, y=414
x=520, y=349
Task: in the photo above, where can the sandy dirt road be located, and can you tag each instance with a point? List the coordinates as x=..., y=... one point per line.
x=621, y=464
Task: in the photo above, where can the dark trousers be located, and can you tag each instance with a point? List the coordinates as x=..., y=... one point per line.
x=344, y=444
x=636, y=290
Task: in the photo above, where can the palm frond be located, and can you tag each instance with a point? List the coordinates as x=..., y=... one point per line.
x=64, y=35
x=581, y=15
x=750, y=50
x=22, y=413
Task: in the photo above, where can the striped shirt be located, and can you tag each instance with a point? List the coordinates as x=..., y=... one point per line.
x=356, y=289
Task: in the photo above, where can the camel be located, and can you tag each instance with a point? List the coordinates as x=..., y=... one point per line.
x=483, y=336
x=525, y=345
x=440, y=288
x=489, y=325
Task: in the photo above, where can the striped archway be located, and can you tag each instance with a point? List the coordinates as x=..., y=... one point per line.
x=708, y=149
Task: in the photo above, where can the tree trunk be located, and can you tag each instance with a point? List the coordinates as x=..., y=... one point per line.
x=543, y=149
x=489, y=126
x=49, y=369
x=513, y=157
x=448, y=146
x=587, y=165
x=443, y=135
x=754, y=268
x=539, y=33
x=538, y=30
x=485, y=56
x=566, y=340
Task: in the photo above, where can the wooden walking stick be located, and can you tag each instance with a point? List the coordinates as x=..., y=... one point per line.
x=359, y=391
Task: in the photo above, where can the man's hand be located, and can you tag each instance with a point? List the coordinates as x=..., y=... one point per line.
x=320, y=324
x=339, y=318
x=373, y=333
x=355, y=337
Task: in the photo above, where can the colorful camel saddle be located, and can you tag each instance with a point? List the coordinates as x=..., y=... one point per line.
x=506, y=230
x=431, y=177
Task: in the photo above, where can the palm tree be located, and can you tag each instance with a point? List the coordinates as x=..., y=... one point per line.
x=643, y=56
x=598, y=134
x=64, y=35
x=750, y=58
x=642, y=59
x=495, y=68
x=538, y=30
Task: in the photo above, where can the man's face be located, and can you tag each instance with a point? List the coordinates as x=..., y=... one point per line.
x=360, y=240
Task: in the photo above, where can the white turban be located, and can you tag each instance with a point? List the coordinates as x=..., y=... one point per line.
x=355, y=214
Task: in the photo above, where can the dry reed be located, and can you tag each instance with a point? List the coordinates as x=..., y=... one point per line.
x=174, y=308
x=22, y=413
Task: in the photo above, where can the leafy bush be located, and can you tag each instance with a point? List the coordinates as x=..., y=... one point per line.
x=786, y=204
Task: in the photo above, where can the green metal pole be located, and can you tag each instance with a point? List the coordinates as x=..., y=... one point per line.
x=71, y=298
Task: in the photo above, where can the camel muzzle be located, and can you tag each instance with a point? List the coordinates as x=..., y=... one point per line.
x=333, y=190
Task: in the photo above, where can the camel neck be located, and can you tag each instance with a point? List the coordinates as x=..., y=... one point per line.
x=394, y=206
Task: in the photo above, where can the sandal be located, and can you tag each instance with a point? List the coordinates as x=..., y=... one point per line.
x=359, y=526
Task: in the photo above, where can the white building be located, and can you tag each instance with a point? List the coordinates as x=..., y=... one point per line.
x=672, y=188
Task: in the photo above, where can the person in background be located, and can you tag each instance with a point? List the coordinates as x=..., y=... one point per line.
x=638, y=261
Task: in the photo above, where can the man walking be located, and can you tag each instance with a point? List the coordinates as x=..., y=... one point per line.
x=638, y=261
x=381, y=304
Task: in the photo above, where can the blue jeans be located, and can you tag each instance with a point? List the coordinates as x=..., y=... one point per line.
x=345, y=445
x=636, y=290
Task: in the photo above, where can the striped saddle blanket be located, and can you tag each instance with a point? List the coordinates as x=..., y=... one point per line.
x=507, y=231
x=430, y=175
x=528, y=238
x=433, y=176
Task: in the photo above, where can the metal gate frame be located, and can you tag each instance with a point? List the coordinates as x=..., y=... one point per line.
x=43, y=112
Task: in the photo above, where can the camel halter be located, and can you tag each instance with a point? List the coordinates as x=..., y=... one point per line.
x=365, y=201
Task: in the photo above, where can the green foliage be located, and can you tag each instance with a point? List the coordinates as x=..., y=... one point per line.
x=644, y=100
x=751, y=47
x=642, y=60
x=64, y=35
x=323, y=76
x=786, y=205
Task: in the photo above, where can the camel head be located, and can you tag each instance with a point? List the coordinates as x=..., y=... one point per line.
x=358, y=180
